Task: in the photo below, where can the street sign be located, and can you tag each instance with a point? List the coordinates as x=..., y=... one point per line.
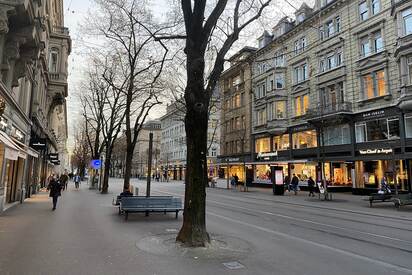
x=96, y=164
x=53, y=156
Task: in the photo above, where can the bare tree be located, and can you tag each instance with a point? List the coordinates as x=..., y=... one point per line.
x=81, y=152
x=128, y=26
x=203, y=23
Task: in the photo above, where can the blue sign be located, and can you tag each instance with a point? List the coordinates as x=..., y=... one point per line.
x=96, y=164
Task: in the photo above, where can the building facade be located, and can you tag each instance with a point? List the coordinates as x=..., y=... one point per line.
x=31, y=95
x=173, y=141
x=332, y=95
x=235, y=117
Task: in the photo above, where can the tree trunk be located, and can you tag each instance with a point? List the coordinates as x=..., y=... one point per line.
x=193, y=231
x=106, y=173
x=128, y=167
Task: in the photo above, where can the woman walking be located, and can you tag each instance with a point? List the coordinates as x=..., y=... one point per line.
x=55, y=190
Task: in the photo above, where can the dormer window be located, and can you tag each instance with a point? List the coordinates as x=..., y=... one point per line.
x=300, y=17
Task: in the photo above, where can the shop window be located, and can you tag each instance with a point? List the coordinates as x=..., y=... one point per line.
x=374, y=84
x=281, y=142
x=263, y=174
x=306, y=139
x=407, y=21
x=375, y=130
x=262, y=145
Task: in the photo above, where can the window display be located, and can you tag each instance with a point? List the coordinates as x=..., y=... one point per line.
x=262, y=174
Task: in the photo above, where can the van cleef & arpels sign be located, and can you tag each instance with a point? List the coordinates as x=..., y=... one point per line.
x=376, y=151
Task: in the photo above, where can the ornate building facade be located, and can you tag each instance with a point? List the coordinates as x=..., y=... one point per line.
x=34, y=47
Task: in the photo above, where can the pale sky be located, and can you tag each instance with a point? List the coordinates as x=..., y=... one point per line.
x=74, y=13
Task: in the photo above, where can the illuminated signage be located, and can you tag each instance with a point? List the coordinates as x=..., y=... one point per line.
x=375, y=151
x=267, y=156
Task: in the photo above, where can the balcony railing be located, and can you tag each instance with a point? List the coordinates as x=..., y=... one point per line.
x=57, y=76
x=329, y=109
x=61, y=30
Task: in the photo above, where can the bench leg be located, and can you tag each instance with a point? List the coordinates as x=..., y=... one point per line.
x=147, y=213
x=126, y=215
x=370, y=203
x=120, y=211
x=165, y=212
x=177, y=214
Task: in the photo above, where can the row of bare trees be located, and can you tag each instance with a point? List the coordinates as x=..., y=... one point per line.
x=127, y=84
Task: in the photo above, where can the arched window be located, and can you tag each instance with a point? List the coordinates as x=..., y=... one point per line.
x=54, y=60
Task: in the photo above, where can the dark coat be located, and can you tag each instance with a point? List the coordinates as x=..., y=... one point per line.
x=311, y=183
x=295, y=181
x=64, y=178
x=55, y=188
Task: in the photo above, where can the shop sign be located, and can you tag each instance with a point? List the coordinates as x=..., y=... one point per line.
x=375, y=151
x=38, y=143
x=96, y=164
x=300, y=128
x=232, y=159
x=267, y=156
x=378, y=113
x=54, y=156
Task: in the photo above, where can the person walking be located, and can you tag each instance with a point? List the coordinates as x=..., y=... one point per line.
x=64, y=180
x=311, y=187
x=55, y=190
x=236, y=181
x=77, y=181
x=295, y=183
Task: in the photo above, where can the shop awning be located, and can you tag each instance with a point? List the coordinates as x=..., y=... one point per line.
x=11, y=150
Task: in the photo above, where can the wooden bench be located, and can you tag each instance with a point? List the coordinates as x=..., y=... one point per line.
x=402, y=200
x=375, y=197
x=150, y=204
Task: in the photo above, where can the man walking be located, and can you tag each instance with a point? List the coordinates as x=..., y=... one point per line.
x=64, y=180
x=295, y=183
x=55, y=190
x=77, y=181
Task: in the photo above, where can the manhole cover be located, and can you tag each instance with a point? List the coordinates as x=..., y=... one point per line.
x=233, y=265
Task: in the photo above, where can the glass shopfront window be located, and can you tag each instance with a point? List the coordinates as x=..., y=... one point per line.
x=408, y=125
x=303, y=171
x=338, y=174
x=262, y=174
x=370, y=173
x=281, y=142
x=262, y=145
x=380, y=129
x=306, y=139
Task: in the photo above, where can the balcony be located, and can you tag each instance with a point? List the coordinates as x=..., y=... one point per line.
x=332, y=112
x=58, y=82
x=61, y=30
x=405, y=100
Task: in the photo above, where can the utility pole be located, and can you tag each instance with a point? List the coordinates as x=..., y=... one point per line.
x=149, y=165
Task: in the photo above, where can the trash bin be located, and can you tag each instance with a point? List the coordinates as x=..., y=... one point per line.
x=277, y=180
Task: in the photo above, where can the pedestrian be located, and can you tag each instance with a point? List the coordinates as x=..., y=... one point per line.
x=64, y=180
x=232, y=181
x=385, y=189
x=311, y=187
x=77, y=181
x=286, y=182
x=55, y=190
x=294, y=184
x=236, y=180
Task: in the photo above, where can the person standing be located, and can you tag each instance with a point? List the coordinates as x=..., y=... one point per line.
x=55, y=190
x=295, y=183
x=311, y=187
x=77, y=181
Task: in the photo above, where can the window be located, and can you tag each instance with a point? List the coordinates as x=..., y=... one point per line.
x=300, y=45
x=280, y=109
x=410, y=69
x=330, y=28
x=281, y=142
x=243, y=122
x=377, y=42
x=237, y=101
x=260, y=91
x=363, y=10
x=261, y=117
x=53, y=61
x=306, y=139
x=301, y=105
x=365, y=48
x=279, y=60
x=279, y=81
x=337, y=24
x=374, y=84
x=380, y=129
x=335, y=135
x=262, y=145
x=407, y=21
x=330, y=61
x=408, y=125
x=375, y=6
x=242, y=99
x=300, y=73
